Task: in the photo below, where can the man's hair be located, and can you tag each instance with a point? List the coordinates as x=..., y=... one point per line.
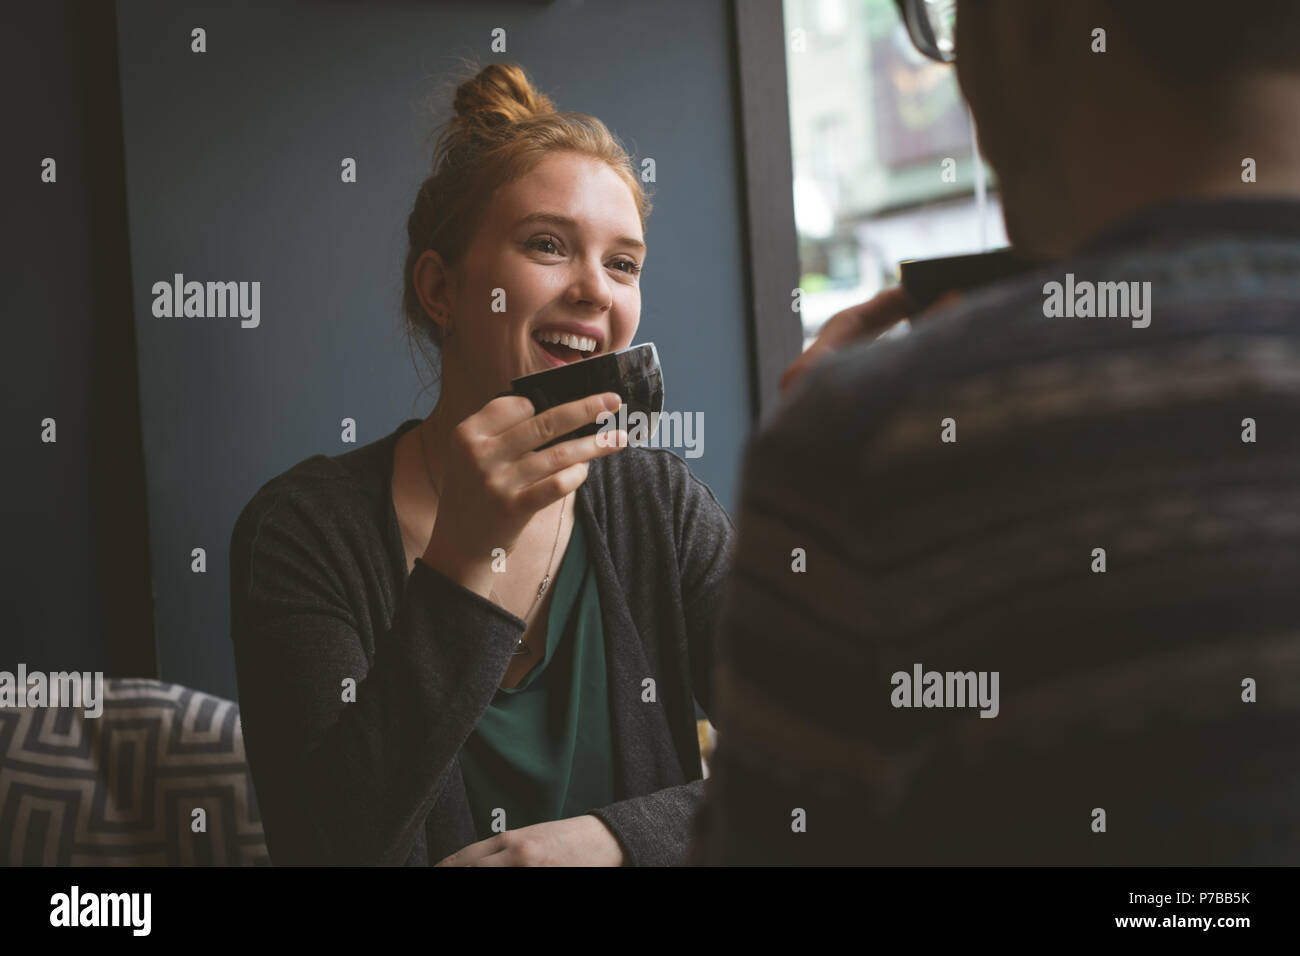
x=1205, y=40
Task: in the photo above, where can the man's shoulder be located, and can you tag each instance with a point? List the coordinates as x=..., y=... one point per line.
x=1115, y=313
x=855, y=385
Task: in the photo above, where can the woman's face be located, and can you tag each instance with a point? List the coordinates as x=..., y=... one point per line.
x=557, y=255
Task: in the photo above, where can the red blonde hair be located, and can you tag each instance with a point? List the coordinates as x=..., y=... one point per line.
x=500, y=130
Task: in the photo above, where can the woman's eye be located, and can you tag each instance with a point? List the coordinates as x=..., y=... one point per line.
x=541, y=243
x=547, y=245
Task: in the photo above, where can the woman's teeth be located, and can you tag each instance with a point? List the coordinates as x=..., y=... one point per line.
x=581, y=343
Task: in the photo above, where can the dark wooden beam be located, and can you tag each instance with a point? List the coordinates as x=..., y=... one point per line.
x=758, y=27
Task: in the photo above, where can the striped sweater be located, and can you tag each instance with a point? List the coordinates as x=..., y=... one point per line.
x=1101, y=516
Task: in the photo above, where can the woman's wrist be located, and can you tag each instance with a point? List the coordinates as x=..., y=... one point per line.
x=471, y=574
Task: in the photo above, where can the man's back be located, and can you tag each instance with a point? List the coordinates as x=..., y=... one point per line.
x=1024, y=586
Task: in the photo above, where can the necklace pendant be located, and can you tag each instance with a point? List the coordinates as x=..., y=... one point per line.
x=541, y=588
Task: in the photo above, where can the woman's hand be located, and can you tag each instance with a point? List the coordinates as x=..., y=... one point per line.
x=869, y=318
x=494, y=481
x=577, y=841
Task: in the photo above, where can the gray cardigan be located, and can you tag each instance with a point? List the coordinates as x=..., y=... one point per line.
x=320, y=593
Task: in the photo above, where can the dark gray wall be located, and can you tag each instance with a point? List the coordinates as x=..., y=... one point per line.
x=74, y=586
x=232, y=171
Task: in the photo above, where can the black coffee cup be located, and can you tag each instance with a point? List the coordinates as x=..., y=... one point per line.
x=633, y=373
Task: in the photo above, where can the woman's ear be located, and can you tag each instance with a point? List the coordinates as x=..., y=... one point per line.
x=435, y=285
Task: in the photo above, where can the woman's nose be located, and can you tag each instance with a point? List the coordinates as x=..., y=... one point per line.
x=591, y=285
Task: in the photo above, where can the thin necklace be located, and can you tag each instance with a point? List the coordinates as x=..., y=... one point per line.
x=522, y=647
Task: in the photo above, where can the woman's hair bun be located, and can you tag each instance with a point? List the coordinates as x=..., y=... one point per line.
x=499, y=94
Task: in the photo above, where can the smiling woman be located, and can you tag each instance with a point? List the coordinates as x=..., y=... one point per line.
x=456, y=644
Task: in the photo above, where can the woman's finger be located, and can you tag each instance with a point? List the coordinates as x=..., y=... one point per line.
x=554, y=422
x=540, y=464
x=501, y=414
x=503, y=857
x=546, y=492
x=469, y=855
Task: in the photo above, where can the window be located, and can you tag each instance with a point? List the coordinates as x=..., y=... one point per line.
x=884, y=162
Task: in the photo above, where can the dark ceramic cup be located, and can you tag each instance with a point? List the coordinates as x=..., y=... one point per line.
x=633, y=373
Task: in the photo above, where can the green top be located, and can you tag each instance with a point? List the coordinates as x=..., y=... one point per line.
x=542, y=749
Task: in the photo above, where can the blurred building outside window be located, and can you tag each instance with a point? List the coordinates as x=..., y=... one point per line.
x=872, y=122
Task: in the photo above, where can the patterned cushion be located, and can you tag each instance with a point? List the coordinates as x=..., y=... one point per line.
x=122, y=788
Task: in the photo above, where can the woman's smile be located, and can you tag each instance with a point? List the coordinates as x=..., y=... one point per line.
x=563, y=344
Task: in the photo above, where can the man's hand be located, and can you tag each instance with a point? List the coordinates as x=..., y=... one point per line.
x=870, y=318
x=577, y=841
